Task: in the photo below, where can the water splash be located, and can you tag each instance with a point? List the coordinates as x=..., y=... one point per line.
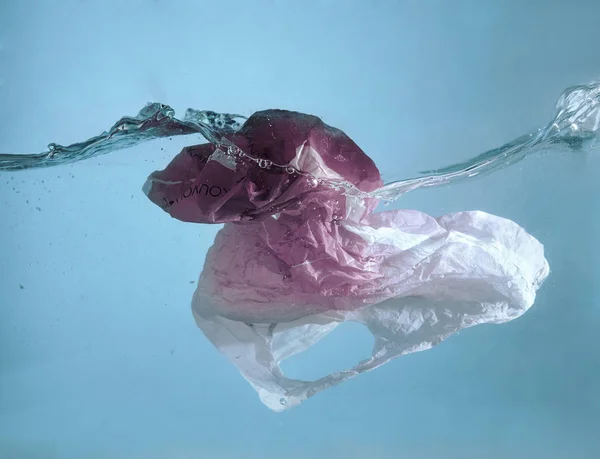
x=574, y=127
x=154, y=121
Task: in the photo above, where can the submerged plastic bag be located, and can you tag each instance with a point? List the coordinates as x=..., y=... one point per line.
x=298, y=255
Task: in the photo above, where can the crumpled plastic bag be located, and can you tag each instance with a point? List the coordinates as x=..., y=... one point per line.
x=297, y=256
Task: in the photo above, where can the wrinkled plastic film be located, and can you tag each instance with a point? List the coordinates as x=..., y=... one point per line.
x=296, y=257
x=425, y=304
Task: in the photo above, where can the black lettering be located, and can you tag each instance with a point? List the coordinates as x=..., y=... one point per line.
x=199, y=190
x=214, y=191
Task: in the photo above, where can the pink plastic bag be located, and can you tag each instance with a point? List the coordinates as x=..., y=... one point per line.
x=297, y=256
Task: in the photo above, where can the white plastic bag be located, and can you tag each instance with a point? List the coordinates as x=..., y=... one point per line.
x=441, y=275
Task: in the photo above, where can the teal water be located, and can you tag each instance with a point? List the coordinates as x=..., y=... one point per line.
x=99, y=354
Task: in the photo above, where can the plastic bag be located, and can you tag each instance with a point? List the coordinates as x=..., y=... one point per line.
x=298, y=255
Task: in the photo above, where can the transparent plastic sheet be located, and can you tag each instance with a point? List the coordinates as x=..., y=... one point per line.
x=301, y=249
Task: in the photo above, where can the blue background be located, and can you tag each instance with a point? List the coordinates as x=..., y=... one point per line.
x=99, y=354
